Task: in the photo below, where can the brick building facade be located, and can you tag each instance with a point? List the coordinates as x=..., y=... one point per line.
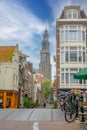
x=71, y=47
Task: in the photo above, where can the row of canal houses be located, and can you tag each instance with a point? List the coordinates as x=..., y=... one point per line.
x=16, y=77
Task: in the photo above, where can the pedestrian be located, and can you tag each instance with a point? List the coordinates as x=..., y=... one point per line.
x=44, y=104
x=62, y=104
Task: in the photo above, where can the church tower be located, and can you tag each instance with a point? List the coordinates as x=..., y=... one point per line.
x=45, y=66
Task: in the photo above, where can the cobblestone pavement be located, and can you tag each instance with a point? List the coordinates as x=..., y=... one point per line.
x=14, y=125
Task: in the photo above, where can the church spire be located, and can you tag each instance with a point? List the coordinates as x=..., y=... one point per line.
x=45, y=41
x=45, y=66
x=46, y=31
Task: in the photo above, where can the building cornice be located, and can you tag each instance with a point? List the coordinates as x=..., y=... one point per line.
x=67, y=20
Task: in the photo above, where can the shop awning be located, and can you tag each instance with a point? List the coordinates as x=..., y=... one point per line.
x=82, y=74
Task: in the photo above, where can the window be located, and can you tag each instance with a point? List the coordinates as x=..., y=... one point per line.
x=73, y=69
x=72, y=80
x=62, y=48
x=73, y=54
x=83, y=35
x=66, y=48
x=75, y=13
x=79, y=35
x=73, y=48
x=69, y=14
x=72, y=14
x=67, y=78
x=62, y=69
x=80, y=81
x=62, y=28
x=72, y=33
x=62, y=56
x=66, y=56
x=83, y=56
x=62, y=36
x=66, y=35
x=80, y=56
x=72, y=27
x=84, y=81
x=62, y=78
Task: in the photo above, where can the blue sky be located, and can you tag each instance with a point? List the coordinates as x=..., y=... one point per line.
x=23, y=22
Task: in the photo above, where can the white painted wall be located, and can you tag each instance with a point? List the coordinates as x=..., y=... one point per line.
x=9, y=73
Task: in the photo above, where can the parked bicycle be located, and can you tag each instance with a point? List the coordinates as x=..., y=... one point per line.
x=71, y=108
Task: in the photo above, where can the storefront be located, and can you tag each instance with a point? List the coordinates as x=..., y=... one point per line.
x=8, y=99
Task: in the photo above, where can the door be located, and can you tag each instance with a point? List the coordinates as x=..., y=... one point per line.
x=8, y=103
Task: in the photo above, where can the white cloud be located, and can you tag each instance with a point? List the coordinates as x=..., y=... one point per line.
x=17, y=23
x=19, y=26
x=57, y=7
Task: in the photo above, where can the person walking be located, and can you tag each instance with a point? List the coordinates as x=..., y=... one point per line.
x=62, y=104
x=44, y=104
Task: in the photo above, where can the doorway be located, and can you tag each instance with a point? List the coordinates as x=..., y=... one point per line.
x=8, y=103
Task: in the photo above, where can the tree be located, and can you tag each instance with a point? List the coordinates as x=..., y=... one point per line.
x=47, y=84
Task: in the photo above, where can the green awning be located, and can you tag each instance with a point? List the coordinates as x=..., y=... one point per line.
x=82, y=74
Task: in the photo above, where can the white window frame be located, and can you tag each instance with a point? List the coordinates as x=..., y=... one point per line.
x=63, y=29
x=73, y=12
x=77, y=50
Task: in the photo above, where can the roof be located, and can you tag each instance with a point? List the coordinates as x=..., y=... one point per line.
x=82, y=14
x=6, y=53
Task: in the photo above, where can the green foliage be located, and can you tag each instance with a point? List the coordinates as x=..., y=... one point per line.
x=28, y=103
x=55, y=104
x=47, y=88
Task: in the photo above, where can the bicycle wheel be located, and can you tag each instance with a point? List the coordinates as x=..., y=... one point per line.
x=70, y=115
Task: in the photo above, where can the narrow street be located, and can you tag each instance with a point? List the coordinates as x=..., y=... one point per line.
x=36, y=119
x=32, y=115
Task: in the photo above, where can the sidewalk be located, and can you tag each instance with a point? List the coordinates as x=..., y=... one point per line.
x=49, y=105
x=61, y=126
x=83, y=125
x=18, y=125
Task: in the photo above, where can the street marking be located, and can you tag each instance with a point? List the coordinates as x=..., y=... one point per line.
x=30, y=114
x=35, y=126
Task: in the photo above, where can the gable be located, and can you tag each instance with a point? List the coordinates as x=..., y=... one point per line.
x=6, y=53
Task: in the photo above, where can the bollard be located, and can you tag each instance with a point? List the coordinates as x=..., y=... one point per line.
x=82, y=109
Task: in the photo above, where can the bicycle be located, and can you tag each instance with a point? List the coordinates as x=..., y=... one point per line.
x=71, y=109
x=70, y=114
